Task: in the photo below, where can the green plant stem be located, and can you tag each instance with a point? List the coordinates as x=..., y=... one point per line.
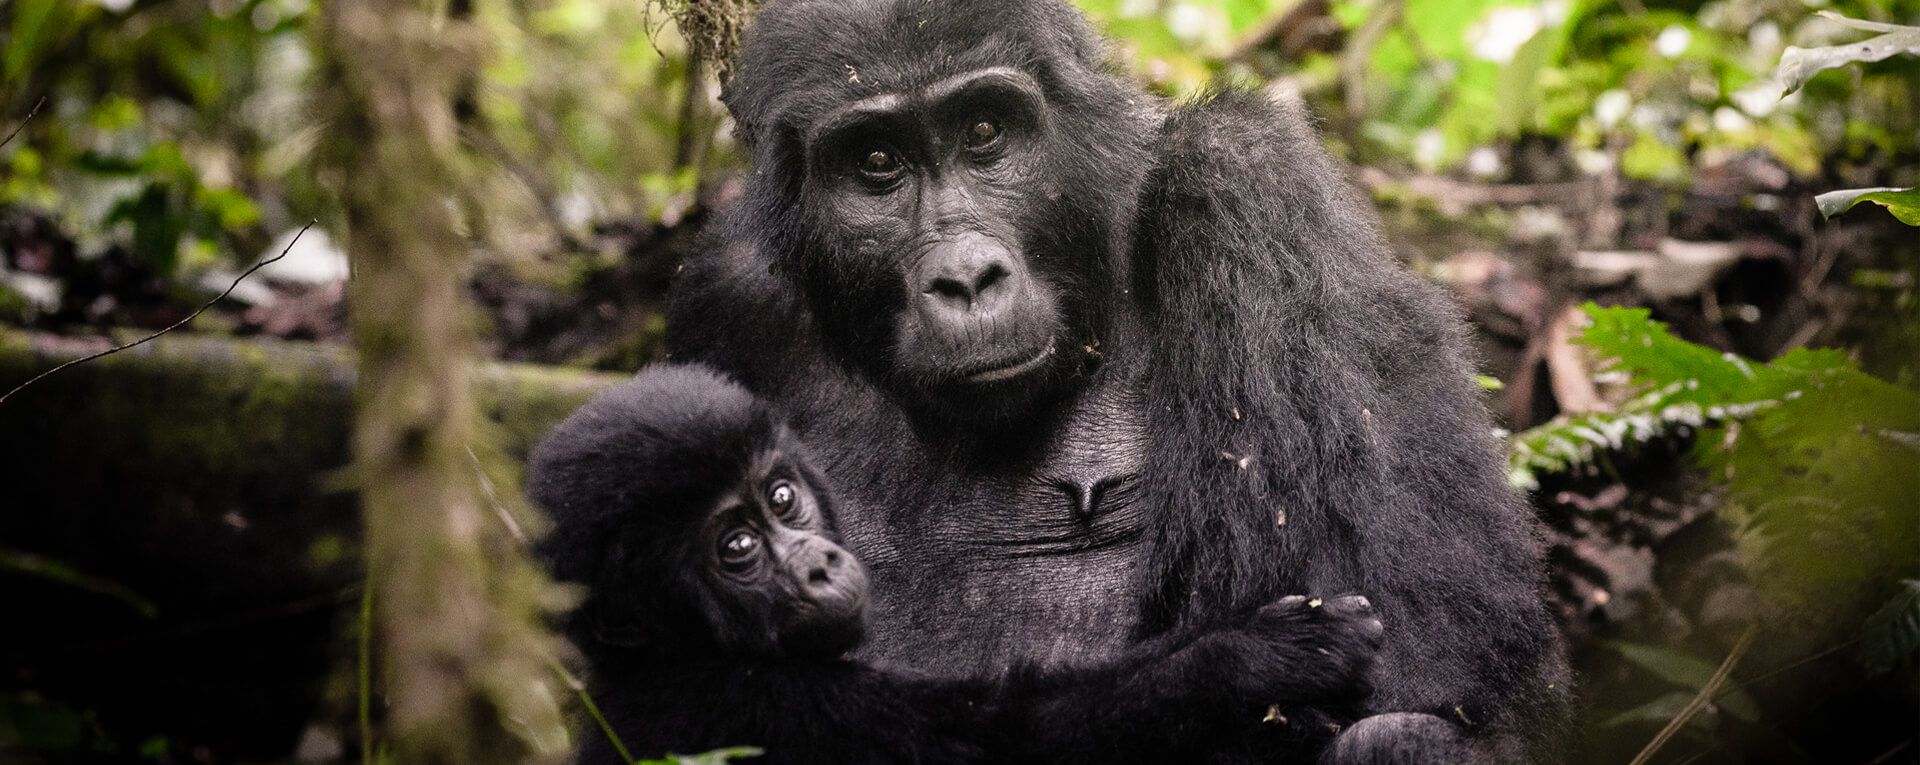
x=593, y=710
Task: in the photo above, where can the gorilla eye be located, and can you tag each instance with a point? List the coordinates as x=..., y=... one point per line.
x=880, y=164
x=781, y=498
x=739, y=548
x=982, y=134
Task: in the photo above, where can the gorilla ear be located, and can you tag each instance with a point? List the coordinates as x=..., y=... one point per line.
x=616, y=631
x=612, y=613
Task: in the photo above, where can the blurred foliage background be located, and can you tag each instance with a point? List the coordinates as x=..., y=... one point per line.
x=1733, y=515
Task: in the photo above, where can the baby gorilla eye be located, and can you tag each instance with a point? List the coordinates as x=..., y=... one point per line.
x=982, y=134
x=781, y=498
x=739, y=548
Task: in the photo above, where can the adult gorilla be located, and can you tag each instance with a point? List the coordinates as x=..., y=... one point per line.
x=1089, y=368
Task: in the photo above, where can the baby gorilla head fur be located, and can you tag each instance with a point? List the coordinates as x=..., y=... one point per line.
x=688, y=509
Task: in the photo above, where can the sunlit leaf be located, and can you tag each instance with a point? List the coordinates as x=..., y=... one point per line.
x=1903, y=203
x=1797, y=65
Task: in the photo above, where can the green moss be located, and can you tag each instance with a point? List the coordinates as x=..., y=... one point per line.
x=197, y=429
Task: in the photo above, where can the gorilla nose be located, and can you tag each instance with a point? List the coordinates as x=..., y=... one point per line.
x=825, y=567
x=970, y=278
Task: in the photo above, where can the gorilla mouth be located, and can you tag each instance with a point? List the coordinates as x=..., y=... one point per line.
x=998, y=372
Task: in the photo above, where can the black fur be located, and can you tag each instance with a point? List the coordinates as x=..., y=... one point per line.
x=632, y=481
x=643, y=480
x=1250, y=398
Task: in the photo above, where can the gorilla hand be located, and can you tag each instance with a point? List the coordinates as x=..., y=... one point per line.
x=1301, y=650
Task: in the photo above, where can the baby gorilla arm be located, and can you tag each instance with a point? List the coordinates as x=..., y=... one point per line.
x=1268, y=687
x=797, y=710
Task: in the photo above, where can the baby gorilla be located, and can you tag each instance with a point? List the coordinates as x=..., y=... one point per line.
x=720, y=602
x=719, y=590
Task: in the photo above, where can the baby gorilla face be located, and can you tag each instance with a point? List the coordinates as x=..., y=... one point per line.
x=689, y=511
x=776, y=574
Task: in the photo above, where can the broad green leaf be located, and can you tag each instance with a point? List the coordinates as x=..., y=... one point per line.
x=1893, y=633
x=1903, y=203
x=1797, y=65
x=1655, y=712
x=29, y=723
x=1688, y=672
x=1517, y=89
x=27, y=36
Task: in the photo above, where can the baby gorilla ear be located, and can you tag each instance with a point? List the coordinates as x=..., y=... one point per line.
x=612, y=615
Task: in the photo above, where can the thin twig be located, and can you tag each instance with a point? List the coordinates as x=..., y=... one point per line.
x=1770, y=674
x=1890, y=753
x=171, y=327
x=1700, y=699
x=493, y=498
x=23, y=123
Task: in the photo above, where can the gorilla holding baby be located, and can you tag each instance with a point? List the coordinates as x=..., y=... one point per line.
x=720, y=604
x=1090, y=370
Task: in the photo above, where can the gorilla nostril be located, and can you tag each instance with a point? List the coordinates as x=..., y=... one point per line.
x=833, y=558
x=994, y=274
x=950, y=289
x=819, y=576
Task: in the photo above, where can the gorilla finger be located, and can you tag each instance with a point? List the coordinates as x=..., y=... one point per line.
x=1285, y=609
x=1349, y=605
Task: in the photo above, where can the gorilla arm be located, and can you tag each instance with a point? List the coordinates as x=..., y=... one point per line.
x=1314, y=428
x=1171, y=699
x=1284, y=678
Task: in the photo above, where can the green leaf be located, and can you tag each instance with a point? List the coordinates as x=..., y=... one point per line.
x=31, y=723
x=715, y=757
x=1903, y=203
x=1892, y=634
x=53, y=570
x=1797, y=65
x=28, y=36
x=1821, y=484
x=1688, y=672
x=1655, y=712
x=1651, y=159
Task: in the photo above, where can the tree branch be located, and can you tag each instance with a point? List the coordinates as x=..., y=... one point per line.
x=23, y=123
x=170, y=327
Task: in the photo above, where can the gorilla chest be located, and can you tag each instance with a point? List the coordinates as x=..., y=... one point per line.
x=1035, y=565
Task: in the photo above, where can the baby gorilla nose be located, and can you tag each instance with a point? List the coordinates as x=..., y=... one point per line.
x=971, y=279
x=821, y=571
x=826, y=575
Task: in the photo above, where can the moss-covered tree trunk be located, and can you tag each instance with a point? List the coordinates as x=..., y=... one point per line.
x=457, y=602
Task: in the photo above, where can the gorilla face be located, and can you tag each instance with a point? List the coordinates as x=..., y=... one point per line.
x=770, y=571
x=692, y=514
x=931, y=207
x=950, y=186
